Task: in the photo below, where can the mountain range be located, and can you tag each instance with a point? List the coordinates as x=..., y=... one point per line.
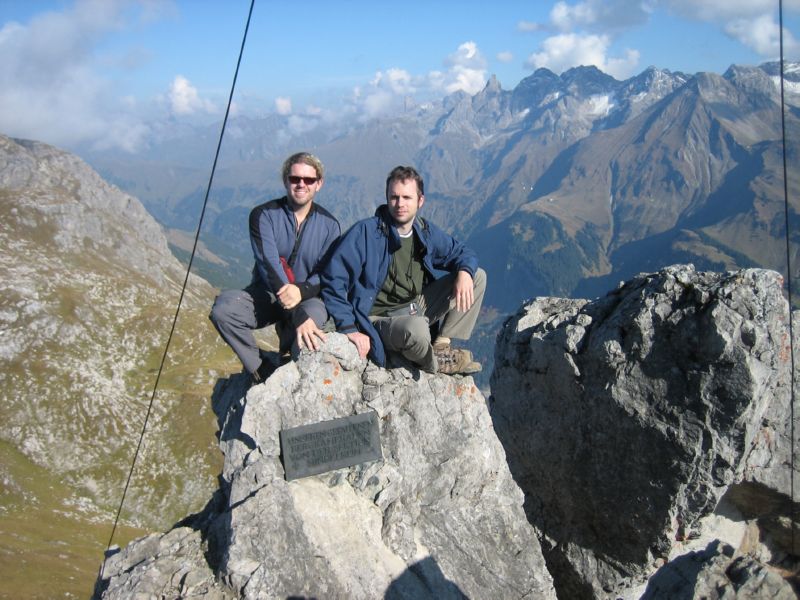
x=564, y=185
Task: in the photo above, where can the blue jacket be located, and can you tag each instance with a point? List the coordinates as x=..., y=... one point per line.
x=273, y=234
x=359, y=265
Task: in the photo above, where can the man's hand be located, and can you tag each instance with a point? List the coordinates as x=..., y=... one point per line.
x=463, y=291
x=309, y=335
x=361, y=342
x=289, y=296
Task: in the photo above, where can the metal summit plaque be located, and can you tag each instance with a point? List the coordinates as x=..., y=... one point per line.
x=319, y=447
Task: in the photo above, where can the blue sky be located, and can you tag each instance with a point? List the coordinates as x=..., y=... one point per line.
x=103, y=71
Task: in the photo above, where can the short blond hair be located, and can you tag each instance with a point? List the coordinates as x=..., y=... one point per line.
x=303, y=158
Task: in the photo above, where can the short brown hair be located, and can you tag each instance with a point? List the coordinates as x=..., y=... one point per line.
x=304, y=158
x=404, y=174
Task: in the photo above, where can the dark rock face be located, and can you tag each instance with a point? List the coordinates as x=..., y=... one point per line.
x=438, y=517
x=627, y=419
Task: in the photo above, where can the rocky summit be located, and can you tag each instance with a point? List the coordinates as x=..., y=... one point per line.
x=438, y=517
x=647, y=434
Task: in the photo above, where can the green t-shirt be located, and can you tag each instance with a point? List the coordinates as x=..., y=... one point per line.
x=405, y=279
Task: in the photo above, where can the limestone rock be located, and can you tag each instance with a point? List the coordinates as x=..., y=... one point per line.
x=716, y=572
x=438, y=517
x=627, y=419
x=170, y=565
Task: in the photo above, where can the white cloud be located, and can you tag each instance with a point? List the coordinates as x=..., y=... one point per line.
x=761, y=34
x=566, y=50
x=385, y=92
x=600, y=16
x=504, y=57
x=396, y=81
x=283, y=106
x=378, y=103
x=466, y=80
x=467, y=70
x=718, y=11
x=753, y=23
x=623, y=67
x=467, y=55
x=184, y=98
x=561, y=52
x=587, y=32
x=567, y=17
x=388, y=90
x=50, y=89
x=588, y=29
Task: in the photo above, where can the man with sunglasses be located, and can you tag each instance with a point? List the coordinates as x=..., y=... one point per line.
x=380, y=286
x=291, y=237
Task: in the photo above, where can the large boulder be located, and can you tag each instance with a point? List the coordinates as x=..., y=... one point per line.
x=438, y=517
x=650, y=418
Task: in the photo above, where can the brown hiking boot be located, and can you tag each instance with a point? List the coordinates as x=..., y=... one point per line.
x=455, y=361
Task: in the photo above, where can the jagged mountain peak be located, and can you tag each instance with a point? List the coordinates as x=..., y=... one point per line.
x=655, y=79
x=588, y=80
x=492, y=86
x=791, y=70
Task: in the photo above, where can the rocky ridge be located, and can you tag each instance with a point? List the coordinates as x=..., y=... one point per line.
x=647, y=431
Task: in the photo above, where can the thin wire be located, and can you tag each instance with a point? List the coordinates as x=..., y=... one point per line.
x=788, y=279
x=183, y=290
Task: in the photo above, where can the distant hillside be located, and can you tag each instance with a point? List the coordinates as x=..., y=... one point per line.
x=89, y=289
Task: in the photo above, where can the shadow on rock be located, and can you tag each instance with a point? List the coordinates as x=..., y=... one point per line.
x=423, y=579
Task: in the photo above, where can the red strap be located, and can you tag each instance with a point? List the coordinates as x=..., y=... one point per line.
x=288, y=270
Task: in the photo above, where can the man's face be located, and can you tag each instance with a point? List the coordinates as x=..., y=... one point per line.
x=404, y=201
x=299, y=185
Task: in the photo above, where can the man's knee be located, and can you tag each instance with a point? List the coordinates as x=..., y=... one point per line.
x=312, y=307
x=229, y=306
x=416, y=331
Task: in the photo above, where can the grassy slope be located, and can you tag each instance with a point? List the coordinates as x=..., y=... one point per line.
x=51, y=543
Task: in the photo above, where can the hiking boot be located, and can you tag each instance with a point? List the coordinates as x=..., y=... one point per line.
x=455, y=361
x=444, y=347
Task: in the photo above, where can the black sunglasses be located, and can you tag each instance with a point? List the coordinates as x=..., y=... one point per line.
x=295, y=179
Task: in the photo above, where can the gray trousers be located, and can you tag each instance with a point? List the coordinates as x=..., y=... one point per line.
x=236, y=313
x=410, y=335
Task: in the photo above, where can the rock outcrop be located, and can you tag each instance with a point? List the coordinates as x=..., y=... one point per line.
x=652, y=417
x=438, y=517
x=648, y=432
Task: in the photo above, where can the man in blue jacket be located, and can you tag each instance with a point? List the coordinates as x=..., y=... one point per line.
x=380, y=289
x=291, y=237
